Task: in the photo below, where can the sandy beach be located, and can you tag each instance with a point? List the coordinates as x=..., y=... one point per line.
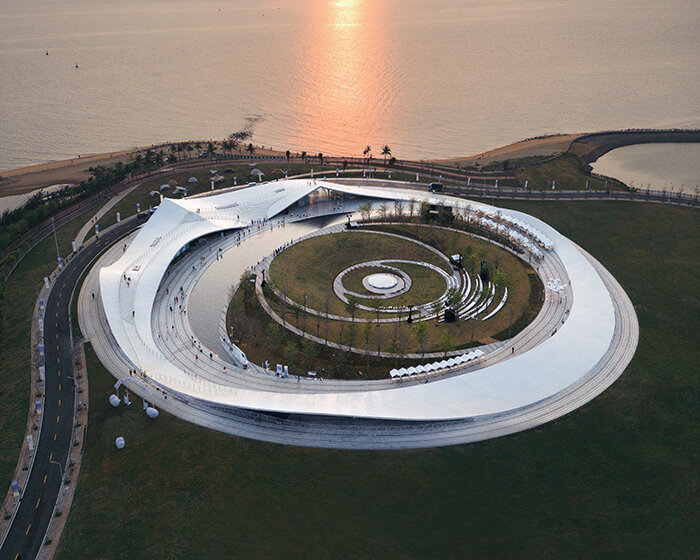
x=548, y=145
x=69, y=171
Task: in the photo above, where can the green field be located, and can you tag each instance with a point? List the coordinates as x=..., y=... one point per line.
x=306, y=270
x=614, y=479
x=567, y=171
x=16, y=307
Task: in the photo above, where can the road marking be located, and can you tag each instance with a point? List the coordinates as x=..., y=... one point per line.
x=56, y=338
x=59, y=402
x=37, y=504
x=54, y=437
x=59, y=386
x=56, y=313
x=50, y=456
x=57, y=419
x=28, y=527
x=45, y=478
x=58, y=359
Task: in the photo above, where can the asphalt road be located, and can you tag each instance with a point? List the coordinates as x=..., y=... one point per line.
x=26, y=534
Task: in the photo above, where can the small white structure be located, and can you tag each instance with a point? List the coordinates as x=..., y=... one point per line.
x=114, y=400
x=152, y=412
x=257, y=174
x=192, y=180
x=119, y=442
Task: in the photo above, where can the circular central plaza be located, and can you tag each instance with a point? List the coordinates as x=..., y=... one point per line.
x=461, y=324
x=381, y=282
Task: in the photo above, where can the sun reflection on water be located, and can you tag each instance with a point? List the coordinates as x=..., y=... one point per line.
x=345, y=75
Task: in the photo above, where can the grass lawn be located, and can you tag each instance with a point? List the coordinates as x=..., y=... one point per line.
x=426, y=284
x=16, y=307
x=261, y=338
x=567, y=171
x=614, y=479
x=309, y=267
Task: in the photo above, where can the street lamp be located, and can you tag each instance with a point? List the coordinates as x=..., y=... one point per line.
x=60, y=468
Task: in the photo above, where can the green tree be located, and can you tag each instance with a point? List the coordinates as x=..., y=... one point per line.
x=398, y=208
x=291, y=354
x=452, y=296
x=384, y=211
x=351, y=335
x=436, y=307
x=366, y=211
x=351, y=306
x=420, y=329
x=386, y=151
x=250, y=149
x=445, y=343
x=500, y=279
x=310, y=349
x=411, y=207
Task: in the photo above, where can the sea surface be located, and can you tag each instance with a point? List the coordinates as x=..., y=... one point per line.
x=429, y=78
x=673, y=167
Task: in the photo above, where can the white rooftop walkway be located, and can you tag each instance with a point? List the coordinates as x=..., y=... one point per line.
x=128, y=289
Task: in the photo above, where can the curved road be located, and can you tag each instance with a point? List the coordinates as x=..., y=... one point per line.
x=28, y=528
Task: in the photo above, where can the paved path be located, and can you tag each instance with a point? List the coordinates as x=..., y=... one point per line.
x=101, y=212
x=26, y=534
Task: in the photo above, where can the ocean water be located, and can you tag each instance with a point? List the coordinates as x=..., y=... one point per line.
x=429, y=78
x=673, y=167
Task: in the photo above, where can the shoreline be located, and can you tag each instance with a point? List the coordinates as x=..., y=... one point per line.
x=23, y=180
x=588, y=146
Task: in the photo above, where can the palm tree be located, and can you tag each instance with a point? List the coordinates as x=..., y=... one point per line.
x=198, y=147
x=386, y=151
x=138, y=160
x=368, y=152
x=287, y=153
x=250, y=149
x=149, y=157
x=320, y=158
x=210, y=149
x=303, y=157
x=226, y=147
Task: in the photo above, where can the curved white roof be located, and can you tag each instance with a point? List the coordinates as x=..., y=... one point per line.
x=129, y=286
